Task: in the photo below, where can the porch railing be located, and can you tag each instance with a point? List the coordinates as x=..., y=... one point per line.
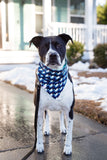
x=78, y=31
x=101, y=33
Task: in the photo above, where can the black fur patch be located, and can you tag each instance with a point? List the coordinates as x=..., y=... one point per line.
x=71, y=110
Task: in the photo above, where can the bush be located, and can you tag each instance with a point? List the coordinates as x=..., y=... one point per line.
x=74, y=52
x=100, y=55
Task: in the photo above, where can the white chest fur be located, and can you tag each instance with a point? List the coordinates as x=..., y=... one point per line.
x=63, y=102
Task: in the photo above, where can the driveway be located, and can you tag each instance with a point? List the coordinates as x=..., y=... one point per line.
x=17, y=133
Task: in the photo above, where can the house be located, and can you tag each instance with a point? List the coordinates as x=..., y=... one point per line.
x=20, y=20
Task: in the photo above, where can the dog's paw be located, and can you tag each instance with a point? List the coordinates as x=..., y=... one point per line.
x=68, y=150
x=46, y=133
x=63, y=130
x=40, y=147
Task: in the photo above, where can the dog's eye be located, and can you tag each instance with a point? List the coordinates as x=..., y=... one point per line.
x=58, y=46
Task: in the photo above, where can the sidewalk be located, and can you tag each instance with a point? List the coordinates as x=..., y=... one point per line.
x=17, y=134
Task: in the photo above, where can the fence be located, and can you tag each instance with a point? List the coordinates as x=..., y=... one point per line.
x=101, y=33
x=78, y=31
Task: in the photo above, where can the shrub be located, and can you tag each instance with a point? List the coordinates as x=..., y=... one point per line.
x=74, y=52
x=100, y=55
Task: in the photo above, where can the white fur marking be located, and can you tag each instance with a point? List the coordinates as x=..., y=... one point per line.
x=50, y=51
x=62, y=125
x=68, y=142
x=39, y=144
x=46, y=129
x=62, y=103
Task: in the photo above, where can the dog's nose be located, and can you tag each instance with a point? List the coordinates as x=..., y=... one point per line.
x=53, y=55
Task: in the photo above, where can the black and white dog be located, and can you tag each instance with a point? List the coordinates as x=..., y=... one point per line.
x=56, y=87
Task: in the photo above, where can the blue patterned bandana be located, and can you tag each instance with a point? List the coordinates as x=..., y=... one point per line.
x=52, y=80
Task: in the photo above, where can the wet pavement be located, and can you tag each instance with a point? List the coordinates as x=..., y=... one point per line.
x=17, y=133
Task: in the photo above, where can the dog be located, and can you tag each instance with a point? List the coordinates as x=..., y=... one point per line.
x=56, y=87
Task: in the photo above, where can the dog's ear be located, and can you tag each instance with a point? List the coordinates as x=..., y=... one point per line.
x=36, y=41
x=65, y=37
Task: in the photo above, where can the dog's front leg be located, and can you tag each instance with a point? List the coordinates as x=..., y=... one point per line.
x=68, y=141
x=62, y=125
x=39, y=144
x=46, y=129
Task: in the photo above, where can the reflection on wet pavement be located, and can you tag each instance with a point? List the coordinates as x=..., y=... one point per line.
x=17, y=115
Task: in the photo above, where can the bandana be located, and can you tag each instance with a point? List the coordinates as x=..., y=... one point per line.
x=52, y=80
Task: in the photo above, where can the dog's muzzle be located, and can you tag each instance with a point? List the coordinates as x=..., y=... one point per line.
x=53, y=59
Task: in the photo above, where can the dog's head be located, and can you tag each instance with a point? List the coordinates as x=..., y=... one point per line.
x=52, y=49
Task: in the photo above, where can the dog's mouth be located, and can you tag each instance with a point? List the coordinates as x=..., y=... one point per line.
x=53, y=62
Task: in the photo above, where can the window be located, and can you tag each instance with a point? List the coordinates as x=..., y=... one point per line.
x=77, y=11
x=39, y=16
x=39, y=6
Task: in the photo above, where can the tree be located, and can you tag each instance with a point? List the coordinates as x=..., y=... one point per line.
x=102, y=14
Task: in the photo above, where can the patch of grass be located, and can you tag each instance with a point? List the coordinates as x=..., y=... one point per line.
x=92, y=74
x=90, y=109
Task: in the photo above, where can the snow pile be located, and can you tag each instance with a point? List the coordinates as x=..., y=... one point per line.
x=79, y=66
x=21, y=76
x=92, y=88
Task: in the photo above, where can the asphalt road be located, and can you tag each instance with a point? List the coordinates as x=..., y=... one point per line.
x=17, y=133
